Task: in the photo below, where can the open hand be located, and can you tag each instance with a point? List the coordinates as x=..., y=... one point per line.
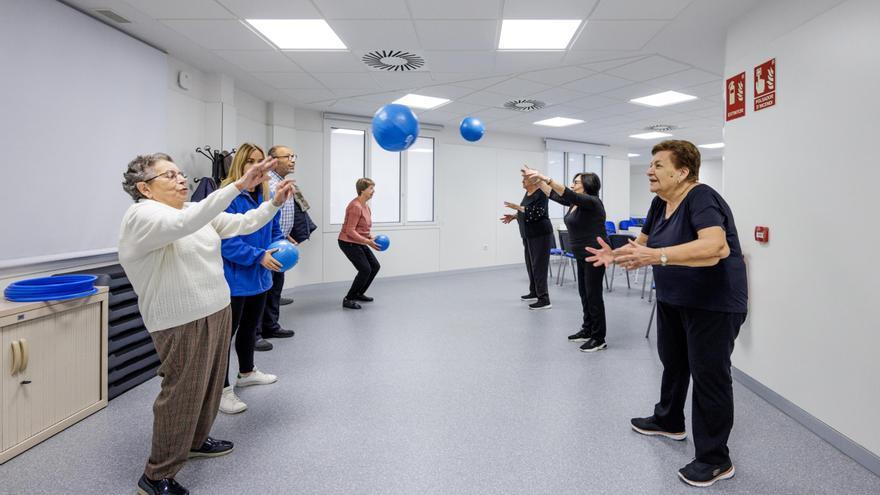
x=256, y=174
x=514, y=206
x=602, y=256
x=270, y=263
x=635, y=255
x=507, y=218
x=283, y=191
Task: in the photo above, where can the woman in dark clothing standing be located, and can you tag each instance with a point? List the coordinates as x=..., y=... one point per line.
x=691, y=240
x=537, y=235
x=585, y=221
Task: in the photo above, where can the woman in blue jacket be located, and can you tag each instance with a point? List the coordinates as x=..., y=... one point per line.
x=246, y=264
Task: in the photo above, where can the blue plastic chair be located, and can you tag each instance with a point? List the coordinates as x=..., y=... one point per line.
x=624, y=224
x=610, y=228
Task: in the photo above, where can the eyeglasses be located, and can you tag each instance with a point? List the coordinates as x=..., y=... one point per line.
x=170, y=175
x=291, y=157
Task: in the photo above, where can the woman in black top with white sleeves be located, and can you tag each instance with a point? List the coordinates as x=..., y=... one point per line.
x=537, y=235
x=691, y=240
x=585, y=220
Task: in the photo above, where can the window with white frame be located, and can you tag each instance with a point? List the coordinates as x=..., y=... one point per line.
x=404, y=181
x=562, y=165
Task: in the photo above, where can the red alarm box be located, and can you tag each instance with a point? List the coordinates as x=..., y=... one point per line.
x=762, y=234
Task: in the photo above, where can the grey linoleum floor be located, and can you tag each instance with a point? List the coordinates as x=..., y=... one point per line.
x=447, y=384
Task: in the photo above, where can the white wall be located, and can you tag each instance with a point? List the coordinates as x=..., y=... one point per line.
x=805, y=169
x=640, y=195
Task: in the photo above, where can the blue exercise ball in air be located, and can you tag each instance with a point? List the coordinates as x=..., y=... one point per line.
x=395, y=127
x=383, y=241
x=287, y=254
x=472, y=128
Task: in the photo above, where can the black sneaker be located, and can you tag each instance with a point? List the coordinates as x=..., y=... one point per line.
x=263, y=345
x=165, y=486
x=281, y=333
x=284, y=301
x=212, y=448
x=649, y=426
x=541, y=304
x=581, y=336
x=363, y=298
x=350, y=304
x=529, y=297
x=594, y=345
x=702, y=475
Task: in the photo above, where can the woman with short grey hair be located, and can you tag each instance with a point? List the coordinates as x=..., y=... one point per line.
x=170, y=250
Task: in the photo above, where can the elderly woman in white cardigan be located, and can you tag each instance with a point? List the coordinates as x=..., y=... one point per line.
x=170, y=250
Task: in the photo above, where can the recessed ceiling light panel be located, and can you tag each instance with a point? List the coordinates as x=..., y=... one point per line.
x=559, y=122
x=539, y=34
x=422, y=102
x=298, y=34
x=650, y=135
x=663, y=99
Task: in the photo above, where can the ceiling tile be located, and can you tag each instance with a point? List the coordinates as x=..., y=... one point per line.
x=482, y=82
x=495, y=114
x=640, y=9
x=592, y=102
x=400, y=80
x=359, y=9
x=486, y=98
x=175, y=9
x=647, y=68
x=597, y=84
x=714, y=89
x=617, y=35
x=459, y=108
x=460, y=61
x=687, y=78
x=308, y=95
x=288, y=80
x=610, y=63
x=327, y=61
x=376, y=34
x=455, y=9
x=383, y=97
x=627, y=93
x=560, y=75
x=355, y=106
x=457, y=35
x=518, y=87
x=347, y=80
x=259, y=60
x=555, y=96
x=510, y=61
x=219, y=35
x=560, y=9
x=272, y=9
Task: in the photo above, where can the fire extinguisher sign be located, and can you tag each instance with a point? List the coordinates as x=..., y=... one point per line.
x=735, y=96
x=765, y=85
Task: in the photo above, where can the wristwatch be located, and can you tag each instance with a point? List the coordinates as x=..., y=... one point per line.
x=663, y=258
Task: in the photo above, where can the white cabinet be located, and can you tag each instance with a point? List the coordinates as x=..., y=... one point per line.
x=53, y=368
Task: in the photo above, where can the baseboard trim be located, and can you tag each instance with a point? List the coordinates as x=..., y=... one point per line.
x=838, y=440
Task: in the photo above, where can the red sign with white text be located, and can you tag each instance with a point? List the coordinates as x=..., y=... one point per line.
x=765, y=85
x=735, y=96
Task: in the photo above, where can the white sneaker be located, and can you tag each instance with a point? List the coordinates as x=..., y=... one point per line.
x=230, y=403
x=256, y=377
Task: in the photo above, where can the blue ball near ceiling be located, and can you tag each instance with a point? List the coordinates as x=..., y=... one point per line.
x=472, y=129
x=395, y=127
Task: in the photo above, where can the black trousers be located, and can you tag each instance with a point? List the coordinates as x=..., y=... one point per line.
x=537, y=253
x=246, y=314
x=697, y=343
x=589, y=280
x=269, y=321
x=365, y=263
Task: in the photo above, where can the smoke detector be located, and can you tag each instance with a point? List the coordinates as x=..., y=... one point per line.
x=393, y=60
x=661, y=127
x=524, y=105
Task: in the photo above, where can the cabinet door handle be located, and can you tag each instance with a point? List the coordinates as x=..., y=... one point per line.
x=25, y=354
x=16, y=356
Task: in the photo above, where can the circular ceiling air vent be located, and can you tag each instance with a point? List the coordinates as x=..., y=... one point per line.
x=393, y=60
x=661, y=127
x=524, y=105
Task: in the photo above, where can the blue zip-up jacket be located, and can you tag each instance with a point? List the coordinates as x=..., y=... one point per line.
x=241, y=255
